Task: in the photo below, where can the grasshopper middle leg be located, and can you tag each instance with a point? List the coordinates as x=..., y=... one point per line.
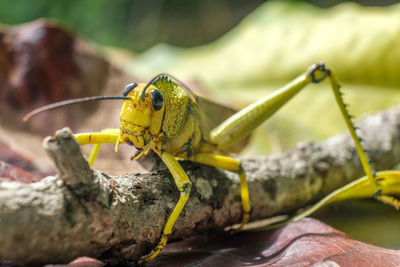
x=230, y=164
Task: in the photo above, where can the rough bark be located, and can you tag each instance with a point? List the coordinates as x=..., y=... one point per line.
x=79, y=213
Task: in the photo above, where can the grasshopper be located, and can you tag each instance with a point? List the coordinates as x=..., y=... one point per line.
x=164, y=116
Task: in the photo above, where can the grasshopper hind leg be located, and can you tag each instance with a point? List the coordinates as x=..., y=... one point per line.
x=242, y=123
x=389, y=200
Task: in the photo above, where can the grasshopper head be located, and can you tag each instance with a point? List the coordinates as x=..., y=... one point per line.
x=141, y=115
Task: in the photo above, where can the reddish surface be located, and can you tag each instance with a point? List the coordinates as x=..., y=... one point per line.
x=16, y=167
x=308, y=242
x=13, y=158
x=42, y=63
x=13, y=173
x=38, y=64
x=302, y=243
x=85, y=262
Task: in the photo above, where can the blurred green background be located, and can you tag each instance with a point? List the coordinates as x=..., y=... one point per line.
x=138, y=25
x=237, y=54
x=238, y=51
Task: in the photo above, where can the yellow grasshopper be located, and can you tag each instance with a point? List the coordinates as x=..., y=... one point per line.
x=164, y=116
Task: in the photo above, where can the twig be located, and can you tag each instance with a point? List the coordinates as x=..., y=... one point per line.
x=85, y=212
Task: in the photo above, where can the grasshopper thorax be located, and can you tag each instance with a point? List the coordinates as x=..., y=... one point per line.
x=141, y=115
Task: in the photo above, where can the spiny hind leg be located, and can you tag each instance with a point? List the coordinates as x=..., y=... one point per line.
x=108, y=135
x=229, y=164
x=246, y=120
x=365, y=161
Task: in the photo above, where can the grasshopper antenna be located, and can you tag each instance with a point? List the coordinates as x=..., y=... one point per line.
x=70, y=102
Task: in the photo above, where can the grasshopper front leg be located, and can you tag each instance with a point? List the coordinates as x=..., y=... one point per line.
x=109, y=135
x=184, y=185
x=180, y=177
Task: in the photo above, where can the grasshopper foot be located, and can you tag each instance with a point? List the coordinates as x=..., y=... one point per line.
x=245, y=219
x=390, y=200
x=161, y=244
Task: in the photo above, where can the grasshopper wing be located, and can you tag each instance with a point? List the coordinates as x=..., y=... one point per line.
x=212, y=114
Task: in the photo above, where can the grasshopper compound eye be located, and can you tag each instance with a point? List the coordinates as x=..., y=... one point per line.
x=157, y=99
x=128, y=88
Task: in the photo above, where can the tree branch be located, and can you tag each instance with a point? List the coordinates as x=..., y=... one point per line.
x=79, y=212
